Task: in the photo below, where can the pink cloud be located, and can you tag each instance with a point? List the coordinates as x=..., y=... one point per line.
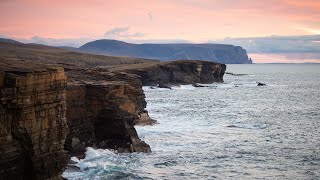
x=196, y=20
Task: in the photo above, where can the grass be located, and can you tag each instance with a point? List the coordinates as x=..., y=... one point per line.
x=10, y=52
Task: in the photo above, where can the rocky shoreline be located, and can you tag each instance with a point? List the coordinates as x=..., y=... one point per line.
x=51, y=112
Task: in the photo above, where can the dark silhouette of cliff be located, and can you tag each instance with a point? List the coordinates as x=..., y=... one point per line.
x=221, y=53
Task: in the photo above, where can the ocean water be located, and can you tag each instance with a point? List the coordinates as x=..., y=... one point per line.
x=233, y=130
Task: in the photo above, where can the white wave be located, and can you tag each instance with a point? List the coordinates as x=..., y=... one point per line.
x=183, y=87
x=94, y=153
x=145, y=88
x=94, y=159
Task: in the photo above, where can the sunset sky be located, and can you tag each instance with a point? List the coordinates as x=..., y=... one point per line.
x=191, y=20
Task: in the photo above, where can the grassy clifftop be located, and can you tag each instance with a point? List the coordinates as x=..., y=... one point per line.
x=52, y=55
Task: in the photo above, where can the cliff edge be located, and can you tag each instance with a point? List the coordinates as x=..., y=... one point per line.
x=33, y=122
x=176, y=72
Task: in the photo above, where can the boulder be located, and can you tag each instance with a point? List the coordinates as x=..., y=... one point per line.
x=164, y=86
x=261, y=84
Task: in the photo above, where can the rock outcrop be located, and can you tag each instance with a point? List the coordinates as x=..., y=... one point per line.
x=102, y=110
x=221, y=53
x=178, y=72
x=33, y=122
x=38, y=104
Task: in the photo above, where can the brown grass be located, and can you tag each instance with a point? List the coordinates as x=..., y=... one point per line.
x=53, y=55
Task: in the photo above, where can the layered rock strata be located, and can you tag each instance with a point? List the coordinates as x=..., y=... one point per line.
x=33, y=122
x=179, y=72
x=102, y=110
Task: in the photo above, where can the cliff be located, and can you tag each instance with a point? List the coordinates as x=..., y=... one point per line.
x=33, y=123
x=48, y=113
x=102, y=109
x=38, y=104
x=222, y=53
x=176, y=72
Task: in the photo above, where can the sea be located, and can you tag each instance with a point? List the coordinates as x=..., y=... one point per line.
x=230, y=130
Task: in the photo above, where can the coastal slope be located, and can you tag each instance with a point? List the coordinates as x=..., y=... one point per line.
x=36, y=53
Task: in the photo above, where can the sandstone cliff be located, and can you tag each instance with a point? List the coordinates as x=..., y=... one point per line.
x=37, y=103
x=177, y=72
x=102, y=109
x=33, y=123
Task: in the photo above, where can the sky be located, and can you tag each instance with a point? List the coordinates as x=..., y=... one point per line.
x=267, y=29
x=79, y=21
x=285, y=57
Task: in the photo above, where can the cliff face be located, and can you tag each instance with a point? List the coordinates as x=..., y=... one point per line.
x=33, y=123
x=179, y=72
x=221, y=53
x=37, y=106
x=102, y=110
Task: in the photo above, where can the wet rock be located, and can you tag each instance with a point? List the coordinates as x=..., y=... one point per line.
x=233, y=74
x=199, y=85
x=164, y=86
x=261, y=84
x=232, y=126
x=144, y=120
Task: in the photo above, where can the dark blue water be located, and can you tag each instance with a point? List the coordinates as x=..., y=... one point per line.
x=234, y=130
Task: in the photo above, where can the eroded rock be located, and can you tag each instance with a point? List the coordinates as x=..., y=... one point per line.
x=33, y=123
x=261, y=84
x=179, y=72
x=102, y=110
